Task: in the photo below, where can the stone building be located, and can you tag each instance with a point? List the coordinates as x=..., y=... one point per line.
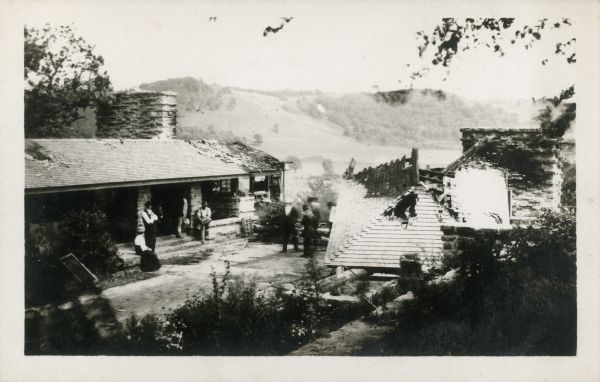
x=504, y=177
x=135, y=161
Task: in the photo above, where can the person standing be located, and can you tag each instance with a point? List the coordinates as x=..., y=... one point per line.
x=149, y=218
x=315, y=208
x=182, y=210
x=290, y=218
x=148, y=259
x=308, y=221
x=203, y=217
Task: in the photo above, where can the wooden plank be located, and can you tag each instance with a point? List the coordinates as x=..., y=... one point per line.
x=377, y=253
x=396, y=244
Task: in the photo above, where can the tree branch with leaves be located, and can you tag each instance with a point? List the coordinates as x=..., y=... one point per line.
x=63, y=76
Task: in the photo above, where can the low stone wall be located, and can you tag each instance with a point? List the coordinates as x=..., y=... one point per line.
x=246, y=207
x=226, y=227
x=457, y=238
x=140, y=115
x=223, y=206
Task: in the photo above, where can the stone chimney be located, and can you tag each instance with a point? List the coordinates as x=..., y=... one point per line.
x=139, y=115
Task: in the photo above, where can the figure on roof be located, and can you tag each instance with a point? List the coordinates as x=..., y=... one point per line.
x=406, y=201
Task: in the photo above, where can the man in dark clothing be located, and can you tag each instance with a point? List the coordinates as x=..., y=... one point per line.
x=308, y=219
x=315, y=208
x=290, y=218
x=407, y=201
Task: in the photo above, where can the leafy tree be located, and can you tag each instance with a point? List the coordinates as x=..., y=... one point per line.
x=275, y=128
x=258, y=139
x=452, y=37
x=63, y=75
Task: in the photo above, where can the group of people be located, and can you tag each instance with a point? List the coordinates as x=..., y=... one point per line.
x=145, y=240
x=309, y=218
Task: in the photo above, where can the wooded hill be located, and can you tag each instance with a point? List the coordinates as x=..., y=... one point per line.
x=415, y=117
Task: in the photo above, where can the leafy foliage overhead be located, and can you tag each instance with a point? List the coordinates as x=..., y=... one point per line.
x=63, y=76
x=453, y=36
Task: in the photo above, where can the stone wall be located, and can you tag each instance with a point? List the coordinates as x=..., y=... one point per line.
x=390, y=178
x=141, y=115
x=246, y=207
x=223, y=206
x=457, y=238
x=531, y=162
x=195, y=198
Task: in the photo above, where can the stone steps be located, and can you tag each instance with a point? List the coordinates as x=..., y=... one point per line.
x=185, y=247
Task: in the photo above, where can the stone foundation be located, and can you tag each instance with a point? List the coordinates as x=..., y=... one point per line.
x=224, y=206
x=457, y=238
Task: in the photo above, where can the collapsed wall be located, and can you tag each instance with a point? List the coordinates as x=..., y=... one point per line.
x=530, y=160
x=138, y=115
x=390, y=178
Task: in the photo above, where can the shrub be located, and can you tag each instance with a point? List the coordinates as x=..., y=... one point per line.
x=83, y=233
x=271, y=221
x=512, y=296
x=237, y=319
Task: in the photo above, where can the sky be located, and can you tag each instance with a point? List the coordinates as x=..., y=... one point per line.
x=333, y=46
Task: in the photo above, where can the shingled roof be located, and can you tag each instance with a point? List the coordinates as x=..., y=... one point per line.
x=374, y=241
x=72, y=164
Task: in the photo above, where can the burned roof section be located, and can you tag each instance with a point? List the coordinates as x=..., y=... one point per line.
x=249, y=158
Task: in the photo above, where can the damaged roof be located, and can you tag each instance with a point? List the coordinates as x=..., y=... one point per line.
x=72, y=164
x=249, y=158
x=362, y=237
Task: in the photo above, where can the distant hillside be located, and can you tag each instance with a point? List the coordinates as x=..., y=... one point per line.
x=192, y=94
x=420, y=117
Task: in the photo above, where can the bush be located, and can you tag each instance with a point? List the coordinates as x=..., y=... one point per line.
x=237, y=319
x=512, y=296
x=271, y=221
x=86, y=234
x=83, y=233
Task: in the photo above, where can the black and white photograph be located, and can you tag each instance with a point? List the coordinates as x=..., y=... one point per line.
x=345, y=181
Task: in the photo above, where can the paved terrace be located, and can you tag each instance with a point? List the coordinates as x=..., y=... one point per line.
x=181, y=278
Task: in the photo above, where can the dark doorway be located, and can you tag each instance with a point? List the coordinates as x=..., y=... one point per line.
x=167, y=202
x=121, y=210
